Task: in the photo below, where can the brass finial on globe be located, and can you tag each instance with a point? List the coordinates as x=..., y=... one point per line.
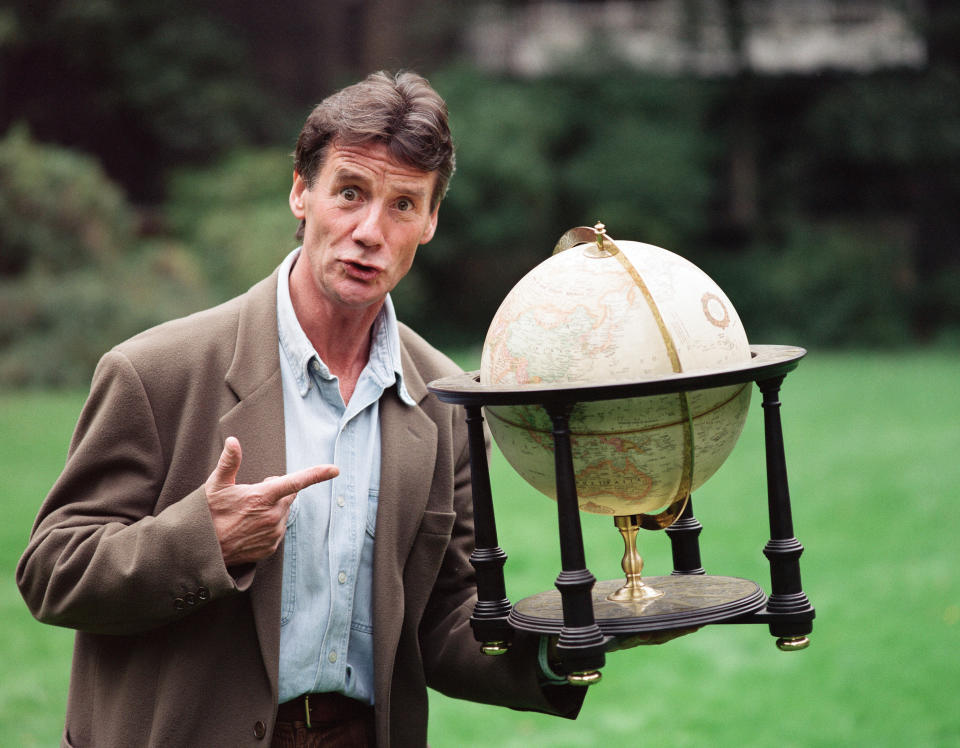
x=601, y=311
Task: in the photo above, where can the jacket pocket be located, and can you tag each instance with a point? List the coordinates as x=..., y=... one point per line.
x=426, y=557
x=437, y=523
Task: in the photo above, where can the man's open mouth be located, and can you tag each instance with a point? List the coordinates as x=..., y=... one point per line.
x=361, y=271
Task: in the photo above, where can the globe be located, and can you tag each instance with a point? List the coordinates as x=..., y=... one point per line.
x=602, y=312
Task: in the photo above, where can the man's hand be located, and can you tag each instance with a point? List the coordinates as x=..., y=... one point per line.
x=629, y=641
x=250, y=519
x=616, y=643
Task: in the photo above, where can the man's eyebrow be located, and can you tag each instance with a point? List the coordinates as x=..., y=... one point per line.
x=418, y=193
x=349, y=175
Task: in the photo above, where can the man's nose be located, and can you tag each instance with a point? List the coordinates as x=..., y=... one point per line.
x=369, y=228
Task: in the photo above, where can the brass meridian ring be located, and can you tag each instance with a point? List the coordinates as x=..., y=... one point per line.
x=665, y=518
x=604, y=246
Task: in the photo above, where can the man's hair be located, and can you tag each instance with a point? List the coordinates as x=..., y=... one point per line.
x=401, y=111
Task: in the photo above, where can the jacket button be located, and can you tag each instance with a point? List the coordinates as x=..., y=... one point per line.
x=259, y=730
x=203, y=593
x=179, y=604
x=190, y=599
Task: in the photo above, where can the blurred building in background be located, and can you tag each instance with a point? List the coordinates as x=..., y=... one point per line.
x=702, y=37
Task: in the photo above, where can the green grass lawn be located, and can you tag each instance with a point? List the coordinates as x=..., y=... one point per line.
x=872, y=448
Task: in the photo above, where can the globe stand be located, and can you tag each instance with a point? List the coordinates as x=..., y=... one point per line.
x=580, y=612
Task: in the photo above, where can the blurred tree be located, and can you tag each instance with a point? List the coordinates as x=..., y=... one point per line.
x=141, y=84
x=826, y=283
x=537, y=157
x=310, y=49
x=740, y=209
x=58, y=211
x=885, y=148
x=640, y=159
x=234, y=216
x=74, y=280
x=499, y=207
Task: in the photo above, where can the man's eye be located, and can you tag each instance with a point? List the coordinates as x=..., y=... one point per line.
x=404, y=204
x=349, y=193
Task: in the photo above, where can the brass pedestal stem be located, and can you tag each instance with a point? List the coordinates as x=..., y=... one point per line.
x=634, y=590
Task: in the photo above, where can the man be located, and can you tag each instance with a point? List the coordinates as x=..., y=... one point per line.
x=204, y=589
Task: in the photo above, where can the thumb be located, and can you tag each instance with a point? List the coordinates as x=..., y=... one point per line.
x=225, y=473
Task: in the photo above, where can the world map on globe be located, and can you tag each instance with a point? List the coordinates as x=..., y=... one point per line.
x=611, y=312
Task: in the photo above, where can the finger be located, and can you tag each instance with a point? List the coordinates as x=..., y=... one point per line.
x=225, y=473
x=629, y=641
x=289, y=485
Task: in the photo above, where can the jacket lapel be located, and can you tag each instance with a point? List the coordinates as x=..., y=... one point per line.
x=257, y=421
x=408, y=454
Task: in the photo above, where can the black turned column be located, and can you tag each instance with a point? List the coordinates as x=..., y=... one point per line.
x=788, y=608
x=489, y=619
x=684, y=542
x=581, y=642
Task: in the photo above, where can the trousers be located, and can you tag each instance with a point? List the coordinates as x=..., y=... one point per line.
x=328, y=720
x=351, y=734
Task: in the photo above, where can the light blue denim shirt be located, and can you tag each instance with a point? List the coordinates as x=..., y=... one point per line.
x=326, y=617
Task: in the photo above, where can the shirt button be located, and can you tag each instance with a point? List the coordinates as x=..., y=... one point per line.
x=332, y=657
x=342, y=577
x=341, y=501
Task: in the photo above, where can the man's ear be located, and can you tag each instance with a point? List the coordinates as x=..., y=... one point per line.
x=431, y=228
x=296, y=196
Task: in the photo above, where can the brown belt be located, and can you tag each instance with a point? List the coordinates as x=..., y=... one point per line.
x=323, y=708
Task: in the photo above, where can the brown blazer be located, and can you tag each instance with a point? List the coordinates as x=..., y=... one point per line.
x=173, y=648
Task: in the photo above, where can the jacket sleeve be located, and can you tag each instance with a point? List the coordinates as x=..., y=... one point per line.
x=103, y=556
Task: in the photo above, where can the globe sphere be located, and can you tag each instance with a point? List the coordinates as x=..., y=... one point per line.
x=626, y=313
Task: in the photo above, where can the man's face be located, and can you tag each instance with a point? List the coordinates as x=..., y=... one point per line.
x=365, y=214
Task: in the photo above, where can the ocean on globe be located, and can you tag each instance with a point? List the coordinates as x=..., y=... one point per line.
x=605, y=312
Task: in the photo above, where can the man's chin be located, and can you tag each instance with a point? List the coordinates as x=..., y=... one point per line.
x=360, y=296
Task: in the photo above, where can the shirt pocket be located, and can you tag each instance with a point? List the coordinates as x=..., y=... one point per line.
x=288, y=591
x=373, y=501
x=363, y=600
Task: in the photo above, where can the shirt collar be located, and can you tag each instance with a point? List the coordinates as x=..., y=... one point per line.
x=385, y=360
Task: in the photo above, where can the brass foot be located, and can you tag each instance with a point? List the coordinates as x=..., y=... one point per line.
x=792, y=643
x=495, y=648
x=584, y=678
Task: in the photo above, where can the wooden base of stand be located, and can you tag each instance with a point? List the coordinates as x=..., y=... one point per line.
x=687, y=601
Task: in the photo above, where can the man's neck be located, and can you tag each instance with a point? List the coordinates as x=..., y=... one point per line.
x=342, y=338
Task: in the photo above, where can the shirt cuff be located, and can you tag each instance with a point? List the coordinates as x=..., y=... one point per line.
x=548, y=674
